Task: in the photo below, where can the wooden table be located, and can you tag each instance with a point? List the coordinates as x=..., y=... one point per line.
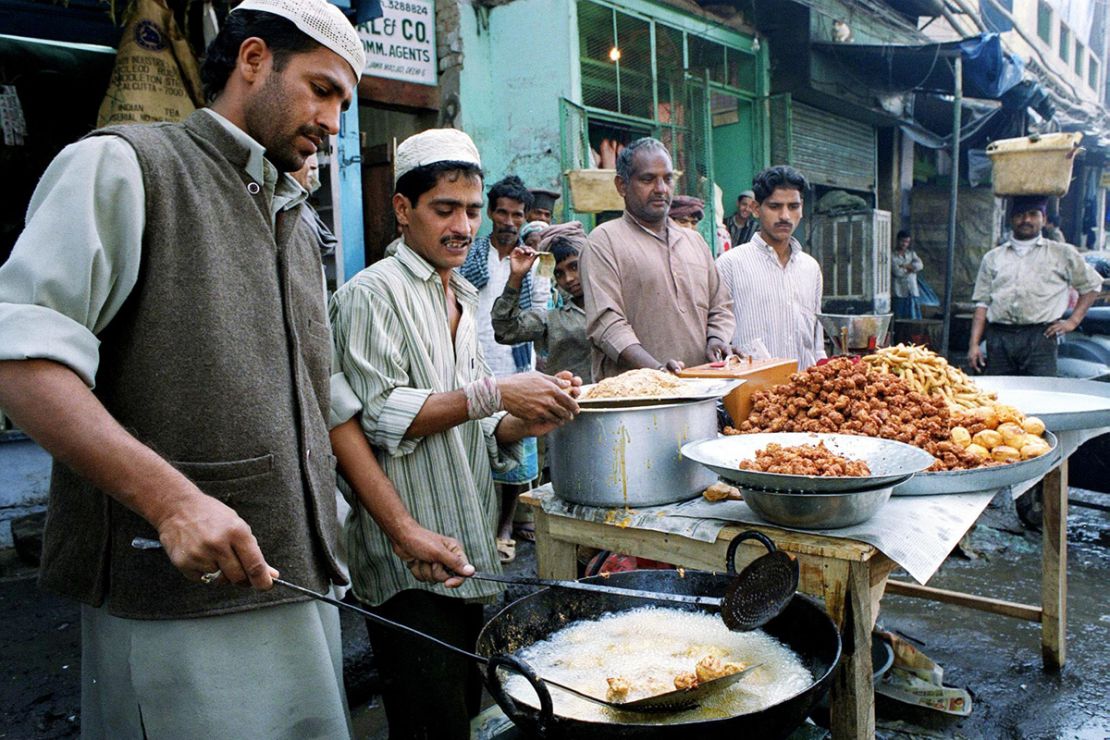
x=848, y=575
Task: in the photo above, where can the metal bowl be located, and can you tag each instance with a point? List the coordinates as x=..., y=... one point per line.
x=861, y=328
x=817, y=510
x=890, y=462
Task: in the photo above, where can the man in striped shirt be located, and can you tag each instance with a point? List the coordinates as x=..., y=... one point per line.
x=775, y=286
x=406, y=339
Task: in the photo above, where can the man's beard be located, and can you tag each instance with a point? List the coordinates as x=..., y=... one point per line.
x=265, y=120
x=506, y=235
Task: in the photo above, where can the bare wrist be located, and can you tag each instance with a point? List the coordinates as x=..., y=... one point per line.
x=174, y=495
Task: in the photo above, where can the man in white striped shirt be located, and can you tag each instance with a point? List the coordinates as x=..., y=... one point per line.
x=405, y=338
x=775, y=286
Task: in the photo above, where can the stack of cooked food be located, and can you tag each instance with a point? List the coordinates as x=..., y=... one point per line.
x=999, y=432
x=853, y=397
x=805, y=460
x=929, y=373
x=643, y=383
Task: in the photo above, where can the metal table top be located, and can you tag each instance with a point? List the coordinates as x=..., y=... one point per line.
x=1063, y=404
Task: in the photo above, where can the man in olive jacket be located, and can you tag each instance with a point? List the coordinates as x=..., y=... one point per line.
x=163, y=336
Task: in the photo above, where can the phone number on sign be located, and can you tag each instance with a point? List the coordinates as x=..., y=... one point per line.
x=405, y=7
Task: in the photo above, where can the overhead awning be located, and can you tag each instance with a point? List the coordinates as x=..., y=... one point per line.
x=989, y=71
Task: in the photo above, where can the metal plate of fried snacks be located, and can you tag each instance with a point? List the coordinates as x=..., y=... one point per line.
x=984, y=478
x=890, y=461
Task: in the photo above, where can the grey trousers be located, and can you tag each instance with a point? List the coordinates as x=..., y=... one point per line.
x=1020, y=350
x=275, y=672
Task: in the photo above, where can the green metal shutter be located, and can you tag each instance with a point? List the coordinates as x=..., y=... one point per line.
x=832, y=150
x=779, y=123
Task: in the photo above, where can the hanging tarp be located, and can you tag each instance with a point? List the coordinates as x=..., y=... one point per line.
x=988, y=70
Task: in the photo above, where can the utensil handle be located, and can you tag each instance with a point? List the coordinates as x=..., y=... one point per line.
x=388, y=623
x=751, y=534
x=712, y=601
x=145, y=543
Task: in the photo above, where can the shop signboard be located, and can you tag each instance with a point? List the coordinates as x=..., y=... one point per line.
x=1104, y=181
x=401, y=45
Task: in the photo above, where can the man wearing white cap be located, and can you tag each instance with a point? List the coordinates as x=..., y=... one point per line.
x=406, y=339
x=163, y=334
x=742, y=224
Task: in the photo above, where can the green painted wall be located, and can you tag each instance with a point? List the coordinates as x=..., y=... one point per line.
x=519, y=59
x=735, y=159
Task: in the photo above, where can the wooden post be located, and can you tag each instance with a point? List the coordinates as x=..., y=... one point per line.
x=1054, y=569
x=554, y=558
x=852, y=705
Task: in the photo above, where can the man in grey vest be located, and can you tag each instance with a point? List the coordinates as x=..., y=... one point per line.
x=163, y=335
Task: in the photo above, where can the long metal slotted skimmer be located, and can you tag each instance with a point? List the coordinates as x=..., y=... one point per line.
x=756, y=596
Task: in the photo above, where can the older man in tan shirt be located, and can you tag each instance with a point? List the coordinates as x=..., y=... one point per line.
x=653, y=295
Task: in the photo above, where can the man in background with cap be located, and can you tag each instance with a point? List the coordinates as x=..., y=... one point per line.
x=163, y=336
x=406, y=338
x=543, y=205
x=742, y=225
x=1021, y=293
x=687, y=211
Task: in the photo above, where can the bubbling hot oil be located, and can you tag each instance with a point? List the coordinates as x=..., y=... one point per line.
x=648, y=647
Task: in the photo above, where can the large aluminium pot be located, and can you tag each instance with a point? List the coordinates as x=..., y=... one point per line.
x=632, y=456
x=802, y=626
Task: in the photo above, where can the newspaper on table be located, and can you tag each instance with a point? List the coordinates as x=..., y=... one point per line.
x=916, y=532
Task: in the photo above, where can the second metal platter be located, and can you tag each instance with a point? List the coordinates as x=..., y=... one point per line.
x=981, y=479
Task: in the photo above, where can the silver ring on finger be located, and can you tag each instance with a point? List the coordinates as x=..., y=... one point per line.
x=208, y=578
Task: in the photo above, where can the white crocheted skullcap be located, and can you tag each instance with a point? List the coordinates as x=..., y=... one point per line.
x=431, y=146
x=321, y=21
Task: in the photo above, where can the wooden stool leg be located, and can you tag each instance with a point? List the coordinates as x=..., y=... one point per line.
x=1054, y=569
x=554, y=558
x=852, y=703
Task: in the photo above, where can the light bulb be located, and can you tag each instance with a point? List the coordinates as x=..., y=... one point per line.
x=614, y=54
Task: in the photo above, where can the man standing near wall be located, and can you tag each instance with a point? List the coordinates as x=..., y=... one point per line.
x=1021, y=293
x=653, y=295
x=543, y=205
x=742, y=224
